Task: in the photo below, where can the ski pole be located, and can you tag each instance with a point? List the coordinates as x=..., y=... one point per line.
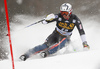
x=28, y=26
x=34, y=23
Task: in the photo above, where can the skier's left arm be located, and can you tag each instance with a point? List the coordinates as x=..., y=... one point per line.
x=82, y=33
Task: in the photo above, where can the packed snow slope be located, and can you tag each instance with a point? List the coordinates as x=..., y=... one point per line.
x=70, y=57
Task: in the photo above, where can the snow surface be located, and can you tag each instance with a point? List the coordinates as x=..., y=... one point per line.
x=25, y=38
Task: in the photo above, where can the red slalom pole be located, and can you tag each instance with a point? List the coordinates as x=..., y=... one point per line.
x=8, y=27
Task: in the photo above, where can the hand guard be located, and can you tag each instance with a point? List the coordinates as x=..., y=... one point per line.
x=49, y=17
x=85, y=45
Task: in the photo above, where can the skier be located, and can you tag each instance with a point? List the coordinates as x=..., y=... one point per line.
x=65, y=23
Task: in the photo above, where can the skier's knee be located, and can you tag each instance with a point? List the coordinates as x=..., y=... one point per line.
x=40, y=47
x=37, y=48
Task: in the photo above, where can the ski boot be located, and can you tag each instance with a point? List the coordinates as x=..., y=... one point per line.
x=23, y=57
x=44, y=54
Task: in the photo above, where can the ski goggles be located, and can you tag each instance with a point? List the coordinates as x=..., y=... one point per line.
x=64, y=13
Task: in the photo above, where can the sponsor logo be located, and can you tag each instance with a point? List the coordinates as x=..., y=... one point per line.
x=78, y=21
x=74, y=21
x=67, y=21
x=80, y=26
x=56, y=16
x=66, y=26
x=59, y=19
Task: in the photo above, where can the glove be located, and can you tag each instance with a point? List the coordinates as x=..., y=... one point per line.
x=50, y=17
x=44, y=22
x=85, y=46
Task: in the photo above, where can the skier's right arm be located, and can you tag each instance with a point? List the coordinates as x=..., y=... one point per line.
x=50, y=18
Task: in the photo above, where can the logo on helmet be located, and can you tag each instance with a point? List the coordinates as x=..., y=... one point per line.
x=66, y=7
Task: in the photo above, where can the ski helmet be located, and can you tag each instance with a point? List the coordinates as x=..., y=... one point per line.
x=66, y=8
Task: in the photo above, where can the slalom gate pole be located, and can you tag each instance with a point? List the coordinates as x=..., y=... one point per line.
x=8, y=27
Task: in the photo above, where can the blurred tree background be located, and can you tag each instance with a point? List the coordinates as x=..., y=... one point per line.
x=40, y=8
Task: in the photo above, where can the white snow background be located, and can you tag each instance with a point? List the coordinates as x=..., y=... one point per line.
x=25, y=38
